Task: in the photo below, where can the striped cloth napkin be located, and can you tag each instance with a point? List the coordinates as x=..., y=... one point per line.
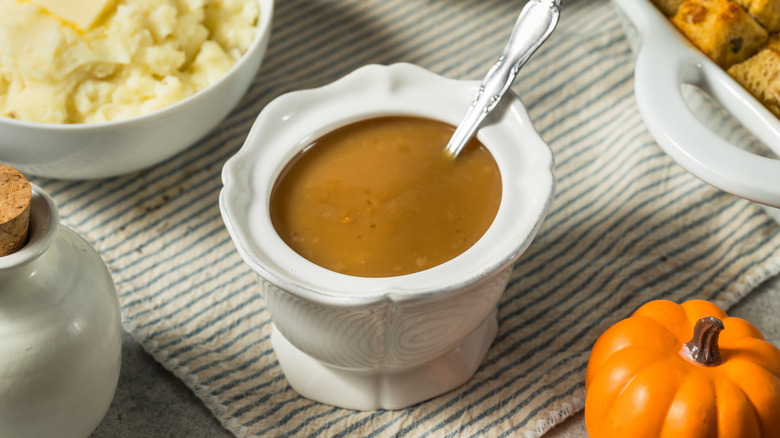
x=628, y=225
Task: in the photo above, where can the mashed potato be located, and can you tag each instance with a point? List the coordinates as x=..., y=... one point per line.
x=144, y=55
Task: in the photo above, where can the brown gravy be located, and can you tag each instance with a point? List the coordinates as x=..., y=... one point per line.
x=380, y=198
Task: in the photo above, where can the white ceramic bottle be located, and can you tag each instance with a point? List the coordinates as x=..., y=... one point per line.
x=60, y=332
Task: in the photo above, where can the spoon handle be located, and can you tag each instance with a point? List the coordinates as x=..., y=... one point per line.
x=535, y=23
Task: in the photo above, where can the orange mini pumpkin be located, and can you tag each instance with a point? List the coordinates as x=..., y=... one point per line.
x=668, y=371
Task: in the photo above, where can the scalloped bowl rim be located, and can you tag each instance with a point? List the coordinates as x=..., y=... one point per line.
x=270, y=145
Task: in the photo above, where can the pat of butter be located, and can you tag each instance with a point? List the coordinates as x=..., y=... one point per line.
x=81, y=13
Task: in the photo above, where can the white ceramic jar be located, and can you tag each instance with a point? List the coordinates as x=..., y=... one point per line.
x=60, y=332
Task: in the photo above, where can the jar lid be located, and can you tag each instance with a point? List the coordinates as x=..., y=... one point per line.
x=15, y=197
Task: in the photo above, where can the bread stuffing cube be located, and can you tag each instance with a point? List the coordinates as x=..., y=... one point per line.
x=773, y=43
x=721, y=29
x=760, y=75
x=766, y=12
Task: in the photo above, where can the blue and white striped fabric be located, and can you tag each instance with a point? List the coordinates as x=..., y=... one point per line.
x=628, y=225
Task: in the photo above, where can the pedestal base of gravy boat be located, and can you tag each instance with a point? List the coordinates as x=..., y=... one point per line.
x=394, y=390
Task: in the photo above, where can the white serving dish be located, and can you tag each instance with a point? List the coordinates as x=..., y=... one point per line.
x=692, y=128
x=370, y=343
x=99, y=150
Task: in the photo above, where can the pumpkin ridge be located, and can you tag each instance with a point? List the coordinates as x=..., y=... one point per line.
x=735, y=376
x=648, y=320
x=691, y=375
x=659, y=367
x=662, y=323
x=697, y=309
x=737, y=360
x=743, y=329
x=733, y=383
x=657, y=336
x=736, y=350
x=602, y=394
x=635, y=372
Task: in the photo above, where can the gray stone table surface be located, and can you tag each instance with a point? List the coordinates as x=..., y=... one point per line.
x=151, y=402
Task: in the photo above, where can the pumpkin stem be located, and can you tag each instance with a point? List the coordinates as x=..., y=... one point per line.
x=703, y=348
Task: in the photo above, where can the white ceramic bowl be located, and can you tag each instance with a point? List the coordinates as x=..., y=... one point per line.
x=694, y=134
x=99, y=150
x=369, y=343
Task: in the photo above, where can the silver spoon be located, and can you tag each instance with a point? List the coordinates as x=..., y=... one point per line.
x=536, y=22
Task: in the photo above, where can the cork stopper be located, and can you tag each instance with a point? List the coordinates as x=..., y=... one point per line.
x=15, y=196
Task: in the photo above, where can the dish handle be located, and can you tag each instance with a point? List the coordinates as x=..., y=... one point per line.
x=659, y=76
